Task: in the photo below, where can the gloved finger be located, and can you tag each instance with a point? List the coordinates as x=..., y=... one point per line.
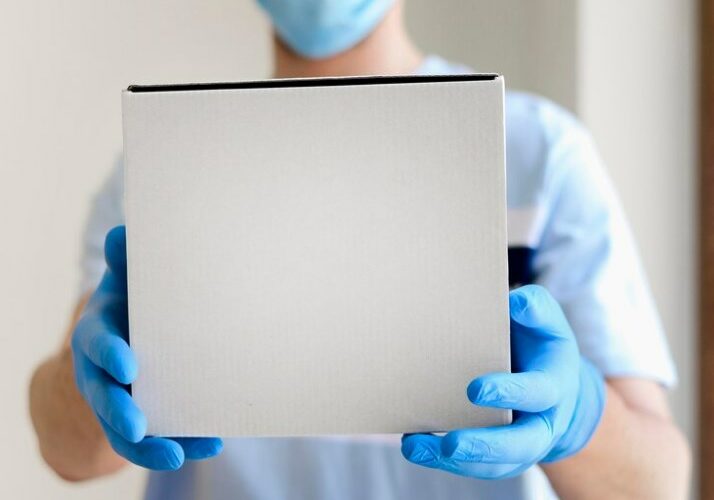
x=110, y=297
x=525, y=441
x=422, y=449
x=108, y=309
x=533, y=307
x=115, y=252
x=532, y=392
x=151, y=452
x=105, y=349
x=200, y=448
x=112, y=403
x=541, y=338
x=425, y=450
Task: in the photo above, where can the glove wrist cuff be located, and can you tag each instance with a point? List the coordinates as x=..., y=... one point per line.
x=586, y=416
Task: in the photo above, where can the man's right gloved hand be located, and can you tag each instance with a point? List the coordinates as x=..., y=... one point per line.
x=104, y=365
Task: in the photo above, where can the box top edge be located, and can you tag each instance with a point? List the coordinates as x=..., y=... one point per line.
x=314, y=82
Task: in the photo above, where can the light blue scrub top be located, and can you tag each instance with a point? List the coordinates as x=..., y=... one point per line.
x=566, y=232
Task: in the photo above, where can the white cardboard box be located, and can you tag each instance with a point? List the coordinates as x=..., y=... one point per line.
x=321, y=256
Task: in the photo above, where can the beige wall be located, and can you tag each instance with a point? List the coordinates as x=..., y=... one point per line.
x=64, y=63
x=530, y=42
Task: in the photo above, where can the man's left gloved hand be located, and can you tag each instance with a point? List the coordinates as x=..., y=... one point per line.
x=558, y=398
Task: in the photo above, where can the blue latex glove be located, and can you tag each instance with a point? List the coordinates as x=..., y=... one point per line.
x=104, y=365
x=557, y=395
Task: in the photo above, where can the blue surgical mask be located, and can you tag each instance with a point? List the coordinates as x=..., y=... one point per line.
x=323, y=28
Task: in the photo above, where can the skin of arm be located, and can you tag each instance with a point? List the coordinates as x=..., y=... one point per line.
x=636, y=452
x=70, y=438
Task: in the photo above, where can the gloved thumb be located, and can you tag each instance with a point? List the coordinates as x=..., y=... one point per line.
x=115, y=252
x=532, y=307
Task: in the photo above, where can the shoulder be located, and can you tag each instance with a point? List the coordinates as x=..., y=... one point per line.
x=108, y=200
x=543, y=141
x=539, y=113
x=106, y=211
x=106, y=207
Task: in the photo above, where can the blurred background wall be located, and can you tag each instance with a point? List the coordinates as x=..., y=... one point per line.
x=627, y=69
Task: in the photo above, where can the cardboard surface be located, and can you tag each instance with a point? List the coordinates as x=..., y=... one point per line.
x=316, y=259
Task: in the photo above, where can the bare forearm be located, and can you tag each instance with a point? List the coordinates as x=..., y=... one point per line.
x=635, y=453
x=70, y=438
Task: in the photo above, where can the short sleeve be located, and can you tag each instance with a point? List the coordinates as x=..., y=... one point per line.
x=588, y=261
x=106, y=211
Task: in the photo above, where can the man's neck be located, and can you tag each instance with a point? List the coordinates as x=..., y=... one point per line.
x=388, y=50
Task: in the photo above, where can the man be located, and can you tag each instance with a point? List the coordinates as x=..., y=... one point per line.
x=589, y=382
